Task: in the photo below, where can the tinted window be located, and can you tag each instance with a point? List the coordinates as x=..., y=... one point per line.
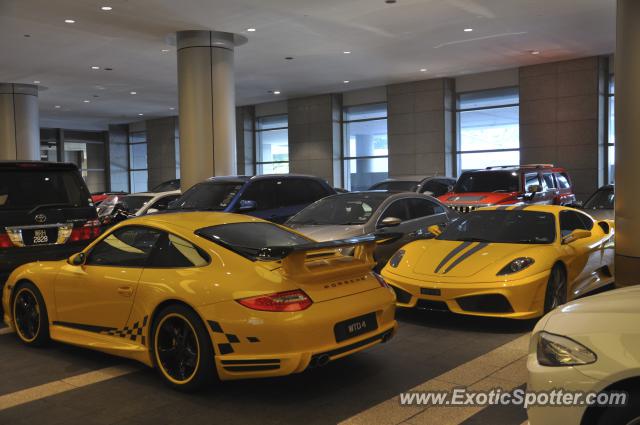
x=531, y=179
x=263, y=192
x=487, y=181
x=570, y=221
x=248, y=239
x=436, y=187
x=163, y=203
x=339, y=210
x=208, y=196
x=404, y=186
x=602, y=199
x=133, y=203
x=126, y=247
x=172, y=251
x=547, y=181
x=423, y=208
x=563, y=181
x=299, y=191
x=523, y=227
x=398, y=209
x=167, y=186
x=28, y=188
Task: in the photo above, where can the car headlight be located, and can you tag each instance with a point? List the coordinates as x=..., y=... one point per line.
x=397, y=257
x=556, y=350
x=516, y=265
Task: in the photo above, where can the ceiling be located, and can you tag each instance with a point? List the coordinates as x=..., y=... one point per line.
x=388, y=43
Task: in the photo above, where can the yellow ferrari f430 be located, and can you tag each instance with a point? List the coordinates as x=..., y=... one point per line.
x=196, y=294
x=516, y=262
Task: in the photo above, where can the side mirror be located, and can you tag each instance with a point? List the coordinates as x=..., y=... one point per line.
x=389, y=222
x=531, y=192
x=576, y=235
x=152, y=210
x=247, y=205
x=77, y=259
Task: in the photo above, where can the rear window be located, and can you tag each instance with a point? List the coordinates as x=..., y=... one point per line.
x=249, y=239
x=21, y=189
x=133, y=203
x=488, y=181
x=208, y=196
x=405, y=186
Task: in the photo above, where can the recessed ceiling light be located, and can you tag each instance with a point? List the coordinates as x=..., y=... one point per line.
x=106, y=8
x=140, y=115
x=171, y=108
x=423, y=69
x=57, y=106
x=69, y=21
x=36, y=81
x=251, y=30
x=133, y=92
x=86, y=101
x=346, y=81
x=164, y=50
x=276, y=92
x=535, y=52
x=347, y=52
x=468, y=29
x=95, y=67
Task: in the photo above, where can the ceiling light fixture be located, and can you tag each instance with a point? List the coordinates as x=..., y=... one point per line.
x=171, y=108
x=140, y=115
x=468, y=29
x=347, y=52
x=165, y=50
x=133, y=92
x=57, y=106
x=69, y=21
x=346, y=81
x=276, y=92
x=86, y=101
x=95, y=67
x=36, y=81
x=535, y=52
x=423, y=69
x=106, y=8
x=251, y=30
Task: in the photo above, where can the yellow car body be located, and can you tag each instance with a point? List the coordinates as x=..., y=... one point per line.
x=114, y=308
x=464, y=276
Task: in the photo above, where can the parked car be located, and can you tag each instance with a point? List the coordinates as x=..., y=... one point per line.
x=514, y=262
x=135, y=205
x=167, y=186
x=98, y=197
x=46, y=213
x=601, y=203
x=273, y=197
x=535, y=184
x=433, y=186
x=404, y=215
x=253, y=299
x=591, y=345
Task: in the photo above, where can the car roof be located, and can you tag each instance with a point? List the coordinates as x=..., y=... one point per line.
x=244, y=179
x=524, y=167
x=380, y=194
x=554, y=209
x=155, y=194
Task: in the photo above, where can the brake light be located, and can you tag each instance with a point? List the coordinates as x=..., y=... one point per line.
x=295, y=300
x=381, y=280
x=5, y=242
x=90, y=230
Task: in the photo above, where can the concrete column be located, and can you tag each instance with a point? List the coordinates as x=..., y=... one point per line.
x=207, y=104
x=19, y=122
x=627, y=72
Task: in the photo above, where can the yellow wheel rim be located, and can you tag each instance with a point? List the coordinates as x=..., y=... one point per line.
x=177, y=349
x=26, y=315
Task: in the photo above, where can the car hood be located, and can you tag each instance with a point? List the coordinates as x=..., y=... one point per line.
x=322, y=233
x=478, y=198
x=439, y=259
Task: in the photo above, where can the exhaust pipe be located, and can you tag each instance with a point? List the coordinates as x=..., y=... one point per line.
x=319, y=361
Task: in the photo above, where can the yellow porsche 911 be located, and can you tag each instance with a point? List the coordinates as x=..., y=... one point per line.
x=196, y=294
x=516, y=262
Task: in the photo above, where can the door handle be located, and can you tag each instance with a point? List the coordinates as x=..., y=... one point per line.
x=125, y=291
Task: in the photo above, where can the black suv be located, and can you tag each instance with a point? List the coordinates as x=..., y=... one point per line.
x=46, y=213
x=273, y=197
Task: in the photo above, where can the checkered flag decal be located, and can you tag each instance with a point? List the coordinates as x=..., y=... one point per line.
x=132, y=333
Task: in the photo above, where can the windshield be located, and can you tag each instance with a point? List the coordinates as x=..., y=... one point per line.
x=406, y=186
x=521, y=227
x=488, y=181
x=347, y=209
x=248, y=239
x=21, y=189
x=167, y=186
x=133, y=203
x=208, y=196
x=602, y=199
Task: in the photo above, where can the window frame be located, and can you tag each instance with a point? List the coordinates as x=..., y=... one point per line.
x=164, y=234
x=610, y=95
x=111, y=232
x=458, y=152
x=257, y=165
x=131, y=169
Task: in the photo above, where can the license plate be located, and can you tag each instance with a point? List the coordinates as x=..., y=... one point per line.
x=39, y=236
x=354, y=327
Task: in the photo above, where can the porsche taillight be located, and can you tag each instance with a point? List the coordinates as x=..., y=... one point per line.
x=296, y=300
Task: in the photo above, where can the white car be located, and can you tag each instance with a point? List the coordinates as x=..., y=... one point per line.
x=588, y=345
x=137, y=204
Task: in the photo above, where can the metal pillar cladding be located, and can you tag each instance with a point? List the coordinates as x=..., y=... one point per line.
x=206, y=89
x=19, y=122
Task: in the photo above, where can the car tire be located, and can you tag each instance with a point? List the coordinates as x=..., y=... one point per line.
x=181, y=348
x=556, y=293
x=29, y=315
x=627, y=415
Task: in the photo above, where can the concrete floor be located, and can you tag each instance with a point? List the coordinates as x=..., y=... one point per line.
x=427, y=346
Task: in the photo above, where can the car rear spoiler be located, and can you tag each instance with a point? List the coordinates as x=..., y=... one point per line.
x=317, y=261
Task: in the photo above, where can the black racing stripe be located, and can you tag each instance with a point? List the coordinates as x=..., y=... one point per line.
x=466, y=255
x=83, y=327
x=250, y=361
x=452, y=254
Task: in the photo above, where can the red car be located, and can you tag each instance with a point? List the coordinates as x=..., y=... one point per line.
x=537, y=184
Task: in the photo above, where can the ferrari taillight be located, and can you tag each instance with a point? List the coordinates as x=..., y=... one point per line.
x=5, y=242
x=296, y=300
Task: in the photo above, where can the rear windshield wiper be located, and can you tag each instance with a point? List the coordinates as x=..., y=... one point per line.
x=41, y=206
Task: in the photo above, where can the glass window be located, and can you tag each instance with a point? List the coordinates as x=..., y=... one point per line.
x=272, y=145
x=133, y=203
x=602, y=199
x=531, y=179
x=172, y=251
x=126, y=247
x=563, y=181
x=400, y=185
x=263, y=193
x=138, y=168
x=611, y=150
x=419, y=208
x=299, y=191
x=570, y=221
x=345, y=209
x=89, y=156
x=28, y=188
x=488, y=181
x=398, y=209
x=547, y=181
x=488, y=132
x=365, y=146
x=163, y=203
x=212, y=196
